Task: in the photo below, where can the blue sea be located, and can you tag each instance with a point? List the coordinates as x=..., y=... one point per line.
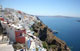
x=68, y=29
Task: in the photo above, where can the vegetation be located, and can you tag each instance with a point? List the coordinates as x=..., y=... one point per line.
x=53, y=46
x=31, y=29
x=36, y=34
x=36, y=49
x=18, y=45
x=45, y=45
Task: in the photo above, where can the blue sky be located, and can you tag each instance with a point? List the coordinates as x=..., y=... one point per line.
x=45, y=7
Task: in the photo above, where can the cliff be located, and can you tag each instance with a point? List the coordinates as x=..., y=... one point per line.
x=37, y=33
x=50, y=42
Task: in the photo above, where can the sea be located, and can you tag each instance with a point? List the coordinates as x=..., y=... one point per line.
x=68, y=29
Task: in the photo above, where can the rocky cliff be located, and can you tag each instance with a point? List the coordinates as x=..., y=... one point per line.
x=50, y=42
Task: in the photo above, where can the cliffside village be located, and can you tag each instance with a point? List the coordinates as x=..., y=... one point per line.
x=17, y=28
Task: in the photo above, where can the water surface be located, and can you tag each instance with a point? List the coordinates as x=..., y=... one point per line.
x=68, y=28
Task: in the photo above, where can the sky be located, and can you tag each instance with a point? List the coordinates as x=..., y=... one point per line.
x=45, y=7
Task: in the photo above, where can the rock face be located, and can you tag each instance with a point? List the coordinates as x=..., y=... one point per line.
x=50, y=42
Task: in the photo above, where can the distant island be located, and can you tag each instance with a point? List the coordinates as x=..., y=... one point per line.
x=56, y=16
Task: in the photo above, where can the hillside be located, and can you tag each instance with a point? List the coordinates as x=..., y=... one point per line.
x=28, y=31
x=50, y=42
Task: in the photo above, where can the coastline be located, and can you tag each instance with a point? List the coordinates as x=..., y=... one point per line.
x=51, y=38
x=47, y=39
